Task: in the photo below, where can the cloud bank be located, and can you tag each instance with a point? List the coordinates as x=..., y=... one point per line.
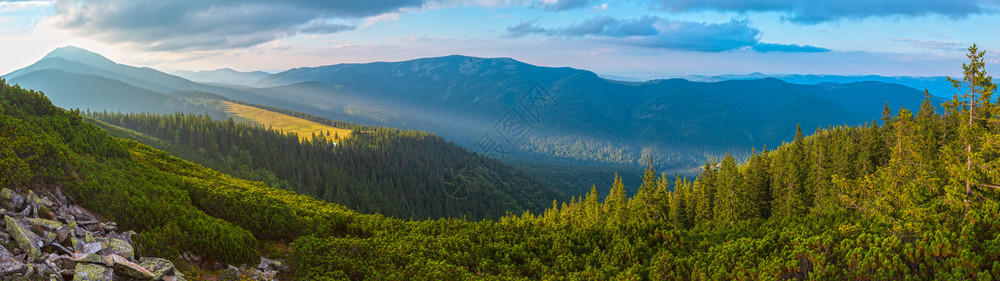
x=208, y=25
x=663, y=33
x=817, y=11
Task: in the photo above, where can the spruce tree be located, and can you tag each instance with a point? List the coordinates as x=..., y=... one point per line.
x=730, y=204
x=969, y=171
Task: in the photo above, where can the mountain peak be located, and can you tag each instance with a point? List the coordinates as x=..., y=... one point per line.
x=78, y=54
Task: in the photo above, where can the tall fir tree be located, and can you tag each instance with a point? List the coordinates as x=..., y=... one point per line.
x=731, y=199
x=969, y=170
x=704, y=192
x=758, y=182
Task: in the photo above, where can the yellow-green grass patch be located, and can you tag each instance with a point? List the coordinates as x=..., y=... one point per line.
x=290, y=124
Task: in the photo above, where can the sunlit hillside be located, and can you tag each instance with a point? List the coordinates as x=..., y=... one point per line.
x=304, y=128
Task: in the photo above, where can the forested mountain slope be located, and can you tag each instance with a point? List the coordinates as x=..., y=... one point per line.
x=912, y=197
x=403, y=174
x=572, y=116
x=580, y=118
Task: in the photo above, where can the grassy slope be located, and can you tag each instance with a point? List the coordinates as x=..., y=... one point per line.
x=304, y=128
x=175, y=205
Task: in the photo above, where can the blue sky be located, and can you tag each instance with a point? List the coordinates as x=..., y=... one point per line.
x=644, y=39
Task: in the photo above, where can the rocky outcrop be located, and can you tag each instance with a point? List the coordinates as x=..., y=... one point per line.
x=46, y=236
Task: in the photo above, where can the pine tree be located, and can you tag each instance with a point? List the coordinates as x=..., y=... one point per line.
x=615, y=204
x=592, y=205
x=730, y=204
x=969, y=171
x=646, y=203
x=758, y=182
x=679, y=204
x=704, y=193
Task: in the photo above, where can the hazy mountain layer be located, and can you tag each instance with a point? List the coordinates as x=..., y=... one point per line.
x=508, y=109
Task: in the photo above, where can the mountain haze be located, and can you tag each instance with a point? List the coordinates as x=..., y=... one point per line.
x=590, y=120
x=936, y=85
x=678, y=122
x=223, y=75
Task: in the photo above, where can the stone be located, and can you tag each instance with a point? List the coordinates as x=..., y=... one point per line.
x=53, y=261
x=264, y=264
x=63, y=233
x=61, y=248
x=38, y=201
x=126, y=267
x=45, y=213
x=118, y=246
x=77, y=244
x=45, y=224
x=4, y=237
x=26, y=240
x=88, y=258
x=66, y=262
x=82, y=215
x=67, y=273
x=27, y=211
x=8, y=263
x=91, y=248
x=60, y=198
x=29, y=270
x=11, y=200
x=109, y=226
x=159, y=267
x=278, y=265
x=92, y=272
x=48, y=237
x=127, y=236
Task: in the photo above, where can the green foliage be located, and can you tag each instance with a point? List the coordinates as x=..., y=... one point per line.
x=399, y=173
x=871, y=202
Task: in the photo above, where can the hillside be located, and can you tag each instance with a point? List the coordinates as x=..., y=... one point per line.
x=587, y=120
x=403, y=174
x=305, y=129
x=894, y=200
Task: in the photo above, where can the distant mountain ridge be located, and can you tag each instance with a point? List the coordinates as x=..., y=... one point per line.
x=75, y=78
x=471, y=101
x=223, y=75
x=937, y=85
x=678, y=122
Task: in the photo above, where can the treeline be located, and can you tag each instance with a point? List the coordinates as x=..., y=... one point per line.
x=399, y=173
x=910, y=198
x=913, y=198
x=42, y=145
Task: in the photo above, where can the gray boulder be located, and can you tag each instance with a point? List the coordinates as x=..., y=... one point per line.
x=26, y=240
x=11, y=200
x=159, y=267
x=92, y=272
x=9, y=264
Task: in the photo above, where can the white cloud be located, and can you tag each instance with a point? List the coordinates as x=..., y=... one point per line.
x=369, y=21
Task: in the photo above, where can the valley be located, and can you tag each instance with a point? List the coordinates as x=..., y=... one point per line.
x=846, y=200
x=678, y=123
x=499, y=140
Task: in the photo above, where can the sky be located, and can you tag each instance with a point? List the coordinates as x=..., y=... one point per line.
x=632, y=38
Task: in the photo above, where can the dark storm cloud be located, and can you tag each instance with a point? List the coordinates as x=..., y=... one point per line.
x=816, y=11
x=207, y=25
x=662, y=33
